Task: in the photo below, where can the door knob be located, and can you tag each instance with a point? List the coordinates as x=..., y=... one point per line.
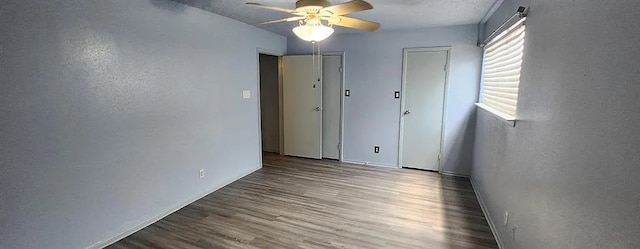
x=318, y=109
x=407, y=112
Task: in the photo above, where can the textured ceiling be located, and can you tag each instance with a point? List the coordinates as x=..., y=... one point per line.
x=392, y=14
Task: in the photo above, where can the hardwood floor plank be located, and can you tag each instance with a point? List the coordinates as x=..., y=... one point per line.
x=303, y=203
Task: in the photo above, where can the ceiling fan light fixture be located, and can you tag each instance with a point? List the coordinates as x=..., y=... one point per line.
x=313, y=33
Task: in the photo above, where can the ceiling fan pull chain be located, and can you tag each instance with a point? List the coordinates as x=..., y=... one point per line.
x=313, y=58
x=319, y=62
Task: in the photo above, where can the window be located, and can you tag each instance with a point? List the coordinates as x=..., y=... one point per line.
x=501, y=72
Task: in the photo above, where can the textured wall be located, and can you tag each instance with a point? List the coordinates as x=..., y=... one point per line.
x=373, y=70
x=109, y=109
x=569, y=172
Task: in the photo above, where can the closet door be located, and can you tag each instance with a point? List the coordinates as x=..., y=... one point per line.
x=423, y=107
x=302, y=105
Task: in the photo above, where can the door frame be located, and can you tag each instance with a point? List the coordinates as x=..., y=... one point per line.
x=406, y=51
x=257, y=94
x=342, y=87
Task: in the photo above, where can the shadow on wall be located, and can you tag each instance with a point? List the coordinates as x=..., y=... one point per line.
x=169, y=5
x=460, y=151
x=463, y=221
x=200, y=4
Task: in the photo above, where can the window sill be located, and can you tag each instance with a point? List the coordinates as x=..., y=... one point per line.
x=511, y=121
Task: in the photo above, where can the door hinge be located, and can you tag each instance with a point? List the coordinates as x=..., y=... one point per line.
x=439, y=157
x=340, y=69
x=339, y=146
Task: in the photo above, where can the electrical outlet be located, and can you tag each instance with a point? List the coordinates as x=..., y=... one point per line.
x=376, y=149
x=506, y=218
x=201, y=173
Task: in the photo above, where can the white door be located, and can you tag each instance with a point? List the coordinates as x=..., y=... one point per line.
x=331, y=105
x=302, y=106
x=423, y=106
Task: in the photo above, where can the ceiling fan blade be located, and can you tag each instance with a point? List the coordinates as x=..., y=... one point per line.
x=353, y=23
x=290, y=11
x=290, y=19
x=348, y=7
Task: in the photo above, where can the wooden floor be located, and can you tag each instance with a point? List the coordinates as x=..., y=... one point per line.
x=302, y=203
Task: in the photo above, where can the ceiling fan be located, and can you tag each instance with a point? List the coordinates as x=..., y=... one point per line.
x=311, y=13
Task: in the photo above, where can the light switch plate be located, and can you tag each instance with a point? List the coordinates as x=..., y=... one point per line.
x=246, y=94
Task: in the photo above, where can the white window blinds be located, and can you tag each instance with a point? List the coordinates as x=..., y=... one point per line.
x=501, y=73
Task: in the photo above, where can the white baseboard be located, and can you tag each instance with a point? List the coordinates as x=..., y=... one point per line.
x=107, y=242
x=485, y=210
x=370, y=164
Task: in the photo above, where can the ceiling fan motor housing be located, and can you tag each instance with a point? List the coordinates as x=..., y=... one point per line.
x=311, y=6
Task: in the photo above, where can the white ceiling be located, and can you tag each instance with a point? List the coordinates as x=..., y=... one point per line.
x=392, y=14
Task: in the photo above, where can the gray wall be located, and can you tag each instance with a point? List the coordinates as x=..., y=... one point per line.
x=269, y=103
x=373, y=70
x=569, y=172
x=109, y=109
